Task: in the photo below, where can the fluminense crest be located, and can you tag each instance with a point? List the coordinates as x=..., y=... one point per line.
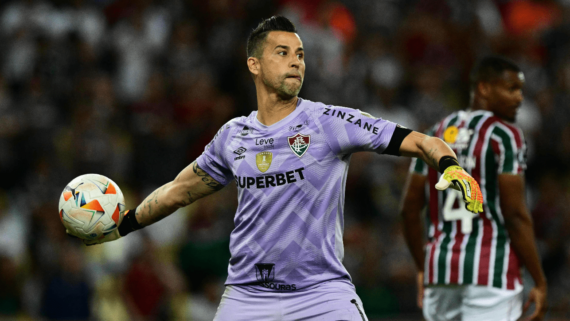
x=299, y=143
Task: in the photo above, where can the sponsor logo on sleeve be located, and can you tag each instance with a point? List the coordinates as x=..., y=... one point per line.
x=299, y=143
x=356, y=121
x=457, y=138
x=450, y=134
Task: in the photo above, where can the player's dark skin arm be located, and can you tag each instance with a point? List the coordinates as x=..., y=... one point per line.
x=427, y=148
x=190, y=185
x=520, y=228
x=412, y=204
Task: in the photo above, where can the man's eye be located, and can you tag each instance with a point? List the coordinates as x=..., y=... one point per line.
x=300, y=56
x=282, y=53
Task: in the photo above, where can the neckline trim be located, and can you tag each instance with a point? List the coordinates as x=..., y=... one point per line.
x=292, y=115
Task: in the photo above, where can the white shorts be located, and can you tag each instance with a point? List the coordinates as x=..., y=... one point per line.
x=472, y=303
x=328, y=301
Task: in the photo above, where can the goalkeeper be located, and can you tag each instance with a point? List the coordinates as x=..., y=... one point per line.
x=286, y=247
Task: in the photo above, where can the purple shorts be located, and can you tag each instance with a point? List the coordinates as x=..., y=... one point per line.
x=327, y=301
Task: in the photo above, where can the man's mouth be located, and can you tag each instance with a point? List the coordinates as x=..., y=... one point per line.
x=295, y=77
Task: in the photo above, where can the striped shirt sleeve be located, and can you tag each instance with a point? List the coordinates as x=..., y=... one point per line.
x=418, y=166
x=510, y=147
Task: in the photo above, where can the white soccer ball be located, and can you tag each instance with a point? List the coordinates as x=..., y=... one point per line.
x=91, y=206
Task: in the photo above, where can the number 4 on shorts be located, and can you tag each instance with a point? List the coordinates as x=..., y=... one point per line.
x=454, y=214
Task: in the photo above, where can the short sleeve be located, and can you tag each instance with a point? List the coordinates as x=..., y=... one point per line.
x=510, y=147
x=350, y=130
x=213, y=159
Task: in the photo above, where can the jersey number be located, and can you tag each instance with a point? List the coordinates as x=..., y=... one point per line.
x=454, y=214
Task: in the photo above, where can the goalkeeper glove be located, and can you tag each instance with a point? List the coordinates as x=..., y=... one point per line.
x=457, y=178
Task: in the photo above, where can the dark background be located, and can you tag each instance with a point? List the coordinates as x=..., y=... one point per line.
x=134, y=90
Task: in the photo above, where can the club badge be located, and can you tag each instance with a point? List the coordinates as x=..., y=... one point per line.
x=299, y=143
x=263, y=160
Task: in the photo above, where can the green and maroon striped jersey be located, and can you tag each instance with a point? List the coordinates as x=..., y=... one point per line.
x=481, y=254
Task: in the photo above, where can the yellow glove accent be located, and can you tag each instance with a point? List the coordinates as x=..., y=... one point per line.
x=457, y=178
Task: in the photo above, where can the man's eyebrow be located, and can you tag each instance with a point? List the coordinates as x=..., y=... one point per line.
x=287, y=47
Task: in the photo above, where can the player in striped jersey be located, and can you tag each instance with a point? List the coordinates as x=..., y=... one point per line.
x=471, y=263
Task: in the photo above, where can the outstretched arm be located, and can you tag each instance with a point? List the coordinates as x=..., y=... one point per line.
x=434, y=152
x=190, y=185
x=427, y=148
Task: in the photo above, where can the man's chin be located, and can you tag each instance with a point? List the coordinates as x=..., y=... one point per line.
x=288, y=93
x=510, y=118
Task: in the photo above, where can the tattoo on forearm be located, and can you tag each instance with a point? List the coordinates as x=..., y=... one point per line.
x=156, y=218
x=148, y=204
x=207, y=179
x=431, y=158
x=191, y=199
x=153, y=210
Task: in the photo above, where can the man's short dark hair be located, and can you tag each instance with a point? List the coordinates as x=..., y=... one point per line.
x=257, y=38
x=491, y=68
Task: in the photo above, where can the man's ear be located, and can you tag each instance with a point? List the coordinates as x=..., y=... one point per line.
x=253, y=65
x=484, y=89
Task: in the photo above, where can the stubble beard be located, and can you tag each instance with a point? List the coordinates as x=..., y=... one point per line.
x=284, y=91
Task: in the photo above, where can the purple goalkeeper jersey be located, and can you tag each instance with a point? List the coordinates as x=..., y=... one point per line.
x=291, y=179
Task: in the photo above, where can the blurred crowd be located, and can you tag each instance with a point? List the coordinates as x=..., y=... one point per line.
x=134, y=90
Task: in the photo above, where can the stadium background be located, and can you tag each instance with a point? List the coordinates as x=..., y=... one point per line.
x=135, y=89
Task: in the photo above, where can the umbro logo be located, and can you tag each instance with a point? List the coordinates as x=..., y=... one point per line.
x=239, y=152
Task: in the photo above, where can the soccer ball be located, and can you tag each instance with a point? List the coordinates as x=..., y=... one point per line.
x=91, y=206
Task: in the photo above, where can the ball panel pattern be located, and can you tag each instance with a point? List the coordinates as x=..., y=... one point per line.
x=91, y=206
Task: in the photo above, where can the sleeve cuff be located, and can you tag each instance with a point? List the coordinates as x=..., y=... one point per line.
x=209, y=166
x=396, y=141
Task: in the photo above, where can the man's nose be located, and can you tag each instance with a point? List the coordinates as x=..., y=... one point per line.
x=295, y=62
x=519, y=96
